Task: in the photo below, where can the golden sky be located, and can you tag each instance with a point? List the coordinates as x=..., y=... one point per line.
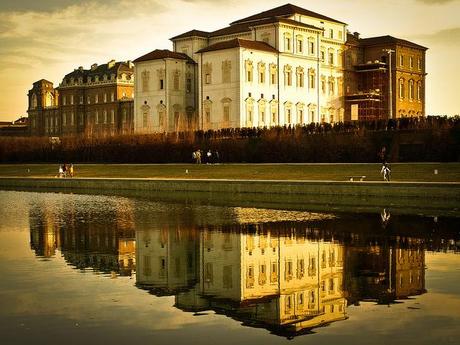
x=49, y=38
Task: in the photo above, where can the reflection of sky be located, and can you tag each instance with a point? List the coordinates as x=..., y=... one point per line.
x=47, y=300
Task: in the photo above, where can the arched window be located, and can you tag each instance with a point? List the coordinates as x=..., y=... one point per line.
x=401, y=88
x=411, y=89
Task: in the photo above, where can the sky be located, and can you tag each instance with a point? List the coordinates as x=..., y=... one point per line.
x=45, y=39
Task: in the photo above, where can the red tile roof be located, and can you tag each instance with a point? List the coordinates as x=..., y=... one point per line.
x=163, y=54
x=381, y=40
x=238, y=42
x=284, y=11
x=192, y=33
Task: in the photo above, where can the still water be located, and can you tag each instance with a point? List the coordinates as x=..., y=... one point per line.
x=82, y=269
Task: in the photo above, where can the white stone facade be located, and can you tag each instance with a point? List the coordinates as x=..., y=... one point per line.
x=261, y=71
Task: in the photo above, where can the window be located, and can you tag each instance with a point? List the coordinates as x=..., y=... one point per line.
x=287, y=43
x=311, y=78
x=88, y=100
x=300, y=77
x=261, y=69
x=226, y=113
x=96, y=114
x=105, y=116
x=331, y=86
x=419, y=63
x=331, y=33
x=208, y=78
x=331, y=58
x=299, y=45
x=81, y=99
x=411, y=62
x=323, y=86
x=112, y=116
x=189, y=85
x=105, y=98
x=71, y=99
x=312, y=47
x=301, y=119
x=64, y=100
x=401, y=60
x=72, y=115
x=161, y=84
x=288, y=116
x=419, y=91
x=323, y=56
x=64, y=119
x=340, y=35
x=249, y=75
x=112, y=97
x=273, y=71
x=411, y=89
x=401, y=88
x=287, y=75
x=96, y=99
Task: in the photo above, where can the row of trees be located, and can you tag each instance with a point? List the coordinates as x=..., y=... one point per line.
x=426, y=139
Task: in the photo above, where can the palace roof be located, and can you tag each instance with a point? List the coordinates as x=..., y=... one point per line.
x=244, y=27
x=163, y=54
x=380, y=40
x=284, y=11
x=238, y=42
x=192, y=33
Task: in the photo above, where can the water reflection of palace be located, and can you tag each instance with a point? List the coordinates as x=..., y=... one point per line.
x=285, y=277
x=107, y=246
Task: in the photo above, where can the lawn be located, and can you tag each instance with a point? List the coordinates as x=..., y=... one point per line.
x=334, y=172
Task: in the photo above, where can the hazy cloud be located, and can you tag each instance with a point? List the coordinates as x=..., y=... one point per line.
x=43, y=5
x=442, y=37
x=436, y=2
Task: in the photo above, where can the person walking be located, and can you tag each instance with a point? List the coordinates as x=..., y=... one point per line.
x=386, y=171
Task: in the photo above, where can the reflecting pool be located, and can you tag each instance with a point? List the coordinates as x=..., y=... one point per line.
x=82, y=269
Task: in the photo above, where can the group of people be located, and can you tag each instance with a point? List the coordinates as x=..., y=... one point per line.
x=66, y=170
x=209, y=157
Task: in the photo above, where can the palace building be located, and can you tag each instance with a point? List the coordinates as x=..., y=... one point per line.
x=284, y=66
x=287, y=66
x=93, y=102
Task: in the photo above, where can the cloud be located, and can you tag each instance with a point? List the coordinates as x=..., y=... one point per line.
x=442, y=37
x=43, y=5
x=436, y=2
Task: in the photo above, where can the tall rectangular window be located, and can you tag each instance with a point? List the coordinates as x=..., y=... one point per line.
x=161, y=84
x=189, y=85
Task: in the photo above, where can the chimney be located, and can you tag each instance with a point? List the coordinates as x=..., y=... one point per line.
x=356, y=34
x=111, y=63
x=130, y=63
x=80, y=68
x=93, y=66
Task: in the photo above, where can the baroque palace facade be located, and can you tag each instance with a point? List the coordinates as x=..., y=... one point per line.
x=285, y=66
x=93, y=102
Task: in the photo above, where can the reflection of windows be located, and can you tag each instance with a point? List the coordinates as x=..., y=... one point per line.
x=227, y=277
x=274, y=272
x=208, y=273
x=288, y=270
x=147, y=266
x=250, y=277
